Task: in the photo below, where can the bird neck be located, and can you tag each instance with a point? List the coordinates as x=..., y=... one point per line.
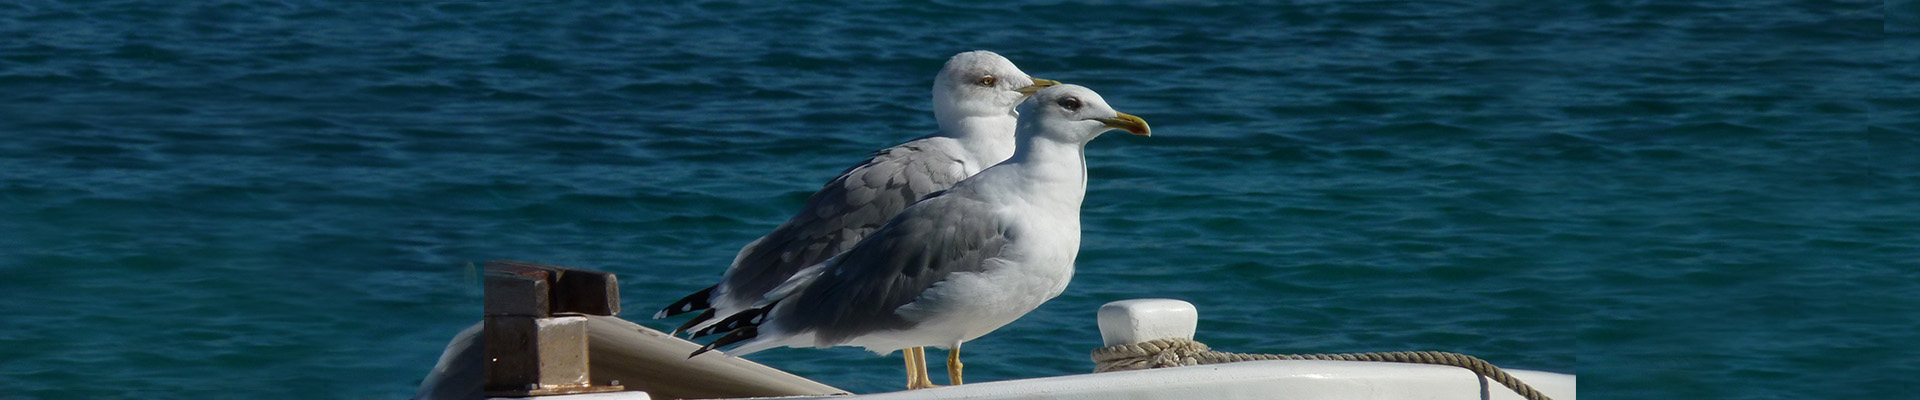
x=988, y=138
x=1056, y=171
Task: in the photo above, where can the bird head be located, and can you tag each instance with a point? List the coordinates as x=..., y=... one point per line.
x=981, y=84
x=1074, y=114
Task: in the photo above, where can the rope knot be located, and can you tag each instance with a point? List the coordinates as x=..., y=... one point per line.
x=1159, y=353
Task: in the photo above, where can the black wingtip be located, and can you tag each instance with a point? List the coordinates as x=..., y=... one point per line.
x=703, y=349
x=697, y=319
x=740, y=320
x=702, y=332
x=736, y=336
x=691, y=303
x=723, y=326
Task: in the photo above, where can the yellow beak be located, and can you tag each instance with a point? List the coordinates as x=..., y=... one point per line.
x=1128, y=122
x=1036, y=86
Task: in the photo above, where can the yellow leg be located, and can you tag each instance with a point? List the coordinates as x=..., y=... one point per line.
x=954, y=366
x=912, y=378
x=917, y=369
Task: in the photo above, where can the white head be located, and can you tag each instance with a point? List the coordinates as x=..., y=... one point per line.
x=1073, y=114
x=980, y=84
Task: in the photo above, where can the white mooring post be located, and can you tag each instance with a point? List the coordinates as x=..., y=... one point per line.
x=1141, y=320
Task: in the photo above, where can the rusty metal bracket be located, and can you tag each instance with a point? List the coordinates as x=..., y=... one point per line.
x=535, y=331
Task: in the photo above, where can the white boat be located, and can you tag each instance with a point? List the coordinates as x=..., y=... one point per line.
x=642, y=363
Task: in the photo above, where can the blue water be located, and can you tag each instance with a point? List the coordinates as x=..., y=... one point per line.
x=287, y=199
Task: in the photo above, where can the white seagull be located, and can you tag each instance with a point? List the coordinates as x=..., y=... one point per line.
x=956, y=265
x=973, y=100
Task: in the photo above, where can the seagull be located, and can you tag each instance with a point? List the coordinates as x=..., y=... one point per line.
x=958, y=264
x=973, y=100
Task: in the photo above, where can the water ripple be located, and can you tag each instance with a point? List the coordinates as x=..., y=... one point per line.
x=272, y=192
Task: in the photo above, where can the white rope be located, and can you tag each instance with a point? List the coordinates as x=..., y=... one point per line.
x=1175, y=352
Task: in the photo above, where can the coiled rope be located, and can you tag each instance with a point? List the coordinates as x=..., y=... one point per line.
x=1175, y=352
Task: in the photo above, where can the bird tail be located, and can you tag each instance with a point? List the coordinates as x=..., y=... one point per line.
x=704, y=324
x=739, y=327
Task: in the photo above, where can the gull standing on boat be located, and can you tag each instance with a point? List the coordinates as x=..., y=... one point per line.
x=973, y=100
x=957, y=265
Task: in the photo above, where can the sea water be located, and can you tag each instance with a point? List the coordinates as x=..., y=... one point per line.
x=289, y=199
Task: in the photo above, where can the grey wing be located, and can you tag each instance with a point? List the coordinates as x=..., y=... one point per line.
x=861, y=291
x=853, y=205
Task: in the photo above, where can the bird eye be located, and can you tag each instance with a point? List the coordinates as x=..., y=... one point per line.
x=1069, y=103
x=987, y=81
